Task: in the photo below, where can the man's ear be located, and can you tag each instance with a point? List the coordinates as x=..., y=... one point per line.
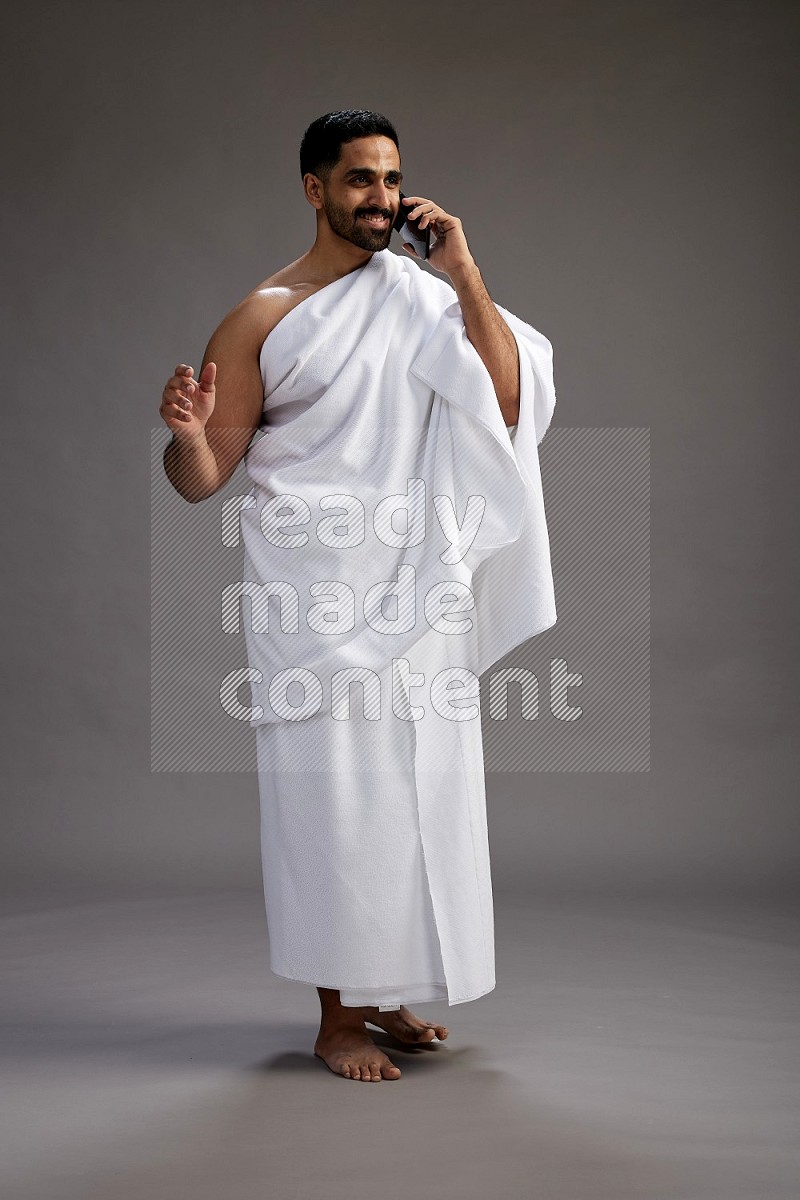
x=312, y=185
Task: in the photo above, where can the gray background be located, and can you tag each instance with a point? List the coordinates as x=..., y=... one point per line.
x=627, y=177
x=623, y=172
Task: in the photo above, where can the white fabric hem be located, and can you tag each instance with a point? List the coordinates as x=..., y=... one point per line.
x=390, y=999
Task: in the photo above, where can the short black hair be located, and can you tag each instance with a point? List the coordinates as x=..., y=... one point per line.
x=321, y=147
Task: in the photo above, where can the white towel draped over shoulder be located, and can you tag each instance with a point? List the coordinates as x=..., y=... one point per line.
x=386, y=463
x=369, y=383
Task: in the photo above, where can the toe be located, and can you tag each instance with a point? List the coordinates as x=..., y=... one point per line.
x=420, y=1033
x=375, y=1070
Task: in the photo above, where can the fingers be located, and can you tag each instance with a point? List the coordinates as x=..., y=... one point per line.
x=176, y=400
x=425, y=212
x=179, y=386
x=433, y=215
x=417, y=204
x=181, y=382
x=171, y=412
x=182, y=385
x=421, y=206
x=183, y=375
x=175, y=406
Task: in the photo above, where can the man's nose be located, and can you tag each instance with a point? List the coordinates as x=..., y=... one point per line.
x=381, y=197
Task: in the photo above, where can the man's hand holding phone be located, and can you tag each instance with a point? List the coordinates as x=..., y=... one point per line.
x=414, y=238
x=448, y=250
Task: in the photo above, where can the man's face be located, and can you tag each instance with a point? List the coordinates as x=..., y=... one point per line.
x=361, y=196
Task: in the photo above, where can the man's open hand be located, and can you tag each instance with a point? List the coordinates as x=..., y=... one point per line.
x=186, y=405
x=450, y=252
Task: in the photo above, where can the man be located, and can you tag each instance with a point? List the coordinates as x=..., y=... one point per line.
x=390, y=920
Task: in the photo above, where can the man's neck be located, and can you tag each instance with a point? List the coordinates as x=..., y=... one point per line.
x=331, y=261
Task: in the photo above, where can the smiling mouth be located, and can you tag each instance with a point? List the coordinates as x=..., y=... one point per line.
x=376, y=221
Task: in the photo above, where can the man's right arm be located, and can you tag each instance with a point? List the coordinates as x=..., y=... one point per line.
x=191, y=467
x=199, y=461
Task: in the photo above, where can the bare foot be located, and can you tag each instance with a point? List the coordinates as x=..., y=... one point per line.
x=404, y=1025
x=349, y=1050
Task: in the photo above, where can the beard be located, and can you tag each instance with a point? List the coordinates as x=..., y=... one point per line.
x=348, y=226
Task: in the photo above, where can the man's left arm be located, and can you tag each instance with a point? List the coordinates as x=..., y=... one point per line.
x=485, y=328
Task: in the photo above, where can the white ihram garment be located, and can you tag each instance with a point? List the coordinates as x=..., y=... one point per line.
x=373, y=823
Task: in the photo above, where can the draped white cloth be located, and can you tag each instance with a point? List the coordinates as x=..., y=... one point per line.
x=400, y=530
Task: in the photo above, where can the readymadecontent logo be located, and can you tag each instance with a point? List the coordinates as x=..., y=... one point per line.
x=390, y=608
x=332, y=603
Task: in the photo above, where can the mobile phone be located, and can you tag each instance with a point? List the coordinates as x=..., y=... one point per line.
x=409, y=231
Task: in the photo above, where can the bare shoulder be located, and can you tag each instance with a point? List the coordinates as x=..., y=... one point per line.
x=248, y=323
x=270, y=301
x=275, y=297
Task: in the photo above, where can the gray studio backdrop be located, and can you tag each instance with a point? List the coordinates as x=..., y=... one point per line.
x=624, y=174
